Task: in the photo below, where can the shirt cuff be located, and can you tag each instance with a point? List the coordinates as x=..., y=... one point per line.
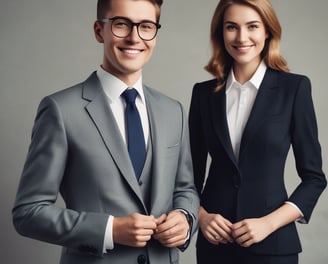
x=108, y=239
x=301, y=219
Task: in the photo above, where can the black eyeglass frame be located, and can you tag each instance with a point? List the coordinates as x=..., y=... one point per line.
x=132, y=24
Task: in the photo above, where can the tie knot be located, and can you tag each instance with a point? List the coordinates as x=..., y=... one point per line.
x=130, y=95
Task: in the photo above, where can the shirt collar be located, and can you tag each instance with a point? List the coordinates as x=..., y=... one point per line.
x=255, y=81
x=114, y=87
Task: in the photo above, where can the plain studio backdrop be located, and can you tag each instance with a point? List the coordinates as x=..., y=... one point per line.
x=48, y=45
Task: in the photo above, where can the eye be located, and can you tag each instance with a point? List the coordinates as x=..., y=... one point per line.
x=231, y=27
x=147, y=26
x=253, y=27
x=121, y=23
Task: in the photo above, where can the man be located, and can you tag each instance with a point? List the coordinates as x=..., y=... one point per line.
x=118, y=210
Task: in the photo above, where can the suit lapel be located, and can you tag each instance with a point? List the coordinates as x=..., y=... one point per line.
x=157, y=133
x=219, y=120
x=261, y=108
x=101, y=114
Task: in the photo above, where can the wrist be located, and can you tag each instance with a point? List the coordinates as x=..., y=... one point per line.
x=271, y=223
x=201, y=212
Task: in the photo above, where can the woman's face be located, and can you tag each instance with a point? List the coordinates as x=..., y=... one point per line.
x=244, y=35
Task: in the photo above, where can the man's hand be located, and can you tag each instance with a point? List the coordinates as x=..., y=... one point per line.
x=134, y=230
x=172, y=229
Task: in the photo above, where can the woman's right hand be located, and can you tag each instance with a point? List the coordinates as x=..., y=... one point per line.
x=214, y=227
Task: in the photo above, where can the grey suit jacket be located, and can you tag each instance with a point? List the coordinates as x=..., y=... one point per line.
x=77, y=150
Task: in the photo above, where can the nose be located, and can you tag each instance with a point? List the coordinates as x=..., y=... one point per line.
x=134, y=36
x=242, y=35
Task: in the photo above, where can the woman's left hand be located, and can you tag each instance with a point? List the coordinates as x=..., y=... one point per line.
x=250, y=231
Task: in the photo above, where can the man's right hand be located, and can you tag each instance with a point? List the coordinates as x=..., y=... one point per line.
x=134, y=230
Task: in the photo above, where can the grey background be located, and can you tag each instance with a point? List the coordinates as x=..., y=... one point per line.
x=48, y=45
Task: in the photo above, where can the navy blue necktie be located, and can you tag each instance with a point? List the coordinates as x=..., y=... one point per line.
x=135, y=135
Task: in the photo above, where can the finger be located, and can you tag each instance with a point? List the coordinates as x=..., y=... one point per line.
x=246, y=243
x=217, y=237
x=169, y=223
x=146, y=222
x=175, y=231
x=164, y=233
x=239, y=230
x=244, y=239
x=161, y=219
x=223, y=233
x=237, y=225
x=226, y=227
x=143, y=238
x=145, y=232
x=172, y=240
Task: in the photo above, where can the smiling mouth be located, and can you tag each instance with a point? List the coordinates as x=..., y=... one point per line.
x=241, y=48
x=131, y=51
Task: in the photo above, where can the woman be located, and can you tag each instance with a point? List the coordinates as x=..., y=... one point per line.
x=246, y=119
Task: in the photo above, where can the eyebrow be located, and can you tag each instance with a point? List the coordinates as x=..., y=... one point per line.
x=142, y=21
x=250, y=22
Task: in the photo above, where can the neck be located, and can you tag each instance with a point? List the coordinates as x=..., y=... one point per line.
x=244, y=72
x=128, y=78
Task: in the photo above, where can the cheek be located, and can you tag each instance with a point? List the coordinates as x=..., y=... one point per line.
x=227, y=45
x=260, y=39
x=151, y=45
x=228, y=38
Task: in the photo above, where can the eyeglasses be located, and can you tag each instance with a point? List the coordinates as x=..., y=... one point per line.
x=122, y=27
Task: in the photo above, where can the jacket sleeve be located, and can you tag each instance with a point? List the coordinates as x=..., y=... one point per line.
x=185, y=194
x=307, y=151
x=197, y=140
x=35, y=213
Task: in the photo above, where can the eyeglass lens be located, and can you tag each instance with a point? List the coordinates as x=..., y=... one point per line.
x=122, y=28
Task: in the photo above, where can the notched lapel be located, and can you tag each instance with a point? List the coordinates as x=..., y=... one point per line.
x=102, y=116
x=263, y=102
x=157, y=129
x=219, y=120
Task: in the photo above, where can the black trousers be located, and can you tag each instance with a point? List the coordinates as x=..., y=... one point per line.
x=234, y=254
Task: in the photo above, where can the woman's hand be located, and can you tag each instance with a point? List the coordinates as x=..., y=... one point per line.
x=214, y=227
x=250, y=231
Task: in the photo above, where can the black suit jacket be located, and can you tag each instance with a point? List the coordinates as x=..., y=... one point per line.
x=282, y=116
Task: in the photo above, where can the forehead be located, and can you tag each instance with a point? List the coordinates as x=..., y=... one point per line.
x=136, y=10
x=241, y=14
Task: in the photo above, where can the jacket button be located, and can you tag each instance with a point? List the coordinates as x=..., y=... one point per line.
x=142, y=259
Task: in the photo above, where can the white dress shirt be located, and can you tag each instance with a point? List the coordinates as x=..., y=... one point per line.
x=240, y=101
x=113, y=88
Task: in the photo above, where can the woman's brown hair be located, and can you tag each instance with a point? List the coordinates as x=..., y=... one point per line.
x=221, y=62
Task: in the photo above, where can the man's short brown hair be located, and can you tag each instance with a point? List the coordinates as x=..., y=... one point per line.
x=103, y=6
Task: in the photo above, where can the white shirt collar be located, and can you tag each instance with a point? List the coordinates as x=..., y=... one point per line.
x=114, y=87
x=255, y=81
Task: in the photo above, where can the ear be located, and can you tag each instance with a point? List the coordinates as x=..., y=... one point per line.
x=98, y=30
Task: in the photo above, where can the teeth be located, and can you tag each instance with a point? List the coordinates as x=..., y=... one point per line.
x=131, y=51
x=244, y=47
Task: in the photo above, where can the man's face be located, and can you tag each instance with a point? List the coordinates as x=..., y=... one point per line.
x=125, y=57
